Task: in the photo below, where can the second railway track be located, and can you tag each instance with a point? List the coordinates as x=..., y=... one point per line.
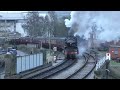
x=53, y=71
x=81, y=73
x=86, y=69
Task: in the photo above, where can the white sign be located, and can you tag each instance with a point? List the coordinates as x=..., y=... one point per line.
x=55, y=58
x=102, y=61
x=55, y=48
x=108, y=56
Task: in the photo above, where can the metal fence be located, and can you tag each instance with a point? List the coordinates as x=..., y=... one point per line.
x=28, y=62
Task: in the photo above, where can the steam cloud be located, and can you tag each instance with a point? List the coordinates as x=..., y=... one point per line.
x=107, y=22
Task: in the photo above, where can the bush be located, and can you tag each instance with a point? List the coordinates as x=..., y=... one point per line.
x=98, y=72
x=115, y=71
x=24, y=48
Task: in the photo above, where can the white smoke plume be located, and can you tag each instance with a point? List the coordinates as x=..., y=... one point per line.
x=81, y=50
x=108, y=20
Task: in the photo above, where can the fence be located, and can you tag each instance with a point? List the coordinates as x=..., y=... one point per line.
x=102, y=61
x=28, y=62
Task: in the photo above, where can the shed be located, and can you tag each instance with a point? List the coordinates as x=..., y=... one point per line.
x=114, y=50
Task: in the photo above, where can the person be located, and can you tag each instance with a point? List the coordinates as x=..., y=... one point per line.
x=31, y=52
x=55, y=59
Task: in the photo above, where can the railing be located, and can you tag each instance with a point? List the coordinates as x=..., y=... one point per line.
x=102, y=61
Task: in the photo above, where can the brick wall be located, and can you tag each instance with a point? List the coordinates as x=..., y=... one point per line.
x=112, y=52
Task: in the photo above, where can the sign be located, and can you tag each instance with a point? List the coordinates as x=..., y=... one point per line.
x=102, y=61
x=108, y=56
x=55, y=48
x=55, y=58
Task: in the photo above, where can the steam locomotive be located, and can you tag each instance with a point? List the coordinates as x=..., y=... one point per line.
x=71, y=49
x=68, y=44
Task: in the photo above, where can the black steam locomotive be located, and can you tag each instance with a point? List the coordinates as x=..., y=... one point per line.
x=71, y=49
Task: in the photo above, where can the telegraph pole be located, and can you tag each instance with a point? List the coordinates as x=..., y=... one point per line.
x=49, y=42
x=107, y=68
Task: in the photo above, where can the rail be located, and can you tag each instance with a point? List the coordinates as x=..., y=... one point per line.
x=33, y=70
x=54, y=70
x=91, y=69
x=36, y=72
x=77, y=73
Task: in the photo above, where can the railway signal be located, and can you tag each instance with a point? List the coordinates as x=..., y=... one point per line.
x=55, y=48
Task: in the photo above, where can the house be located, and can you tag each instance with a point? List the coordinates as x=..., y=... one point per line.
x=114, y=50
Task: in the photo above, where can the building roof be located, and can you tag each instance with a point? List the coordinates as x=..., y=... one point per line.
x=15, y=16
x=11, y=16
x=115, y=46
x=20, y=16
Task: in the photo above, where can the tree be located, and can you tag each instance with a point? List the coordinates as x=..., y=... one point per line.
x=61, y=30
x=47, y=26
x=38, y=26
x=57, y=27
x=34, y=24
x=53, y=22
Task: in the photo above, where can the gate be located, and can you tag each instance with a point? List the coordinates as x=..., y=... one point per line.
x=28, y=62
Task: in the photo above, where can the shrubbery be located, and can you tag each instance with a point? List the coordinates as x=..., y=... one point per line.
x=24, y=48
x=115, y=71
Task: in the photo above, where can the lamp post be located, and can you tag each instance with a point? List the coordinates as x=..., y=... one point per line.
x=49, y=42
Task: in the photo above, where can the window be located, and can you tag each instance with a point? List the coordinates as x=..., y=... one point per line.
x=116, y=51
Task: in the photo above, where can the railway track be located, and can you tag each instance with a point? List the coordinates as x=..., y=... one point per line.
x=55, y=70
x=37, y=71
x=81, y=73
x=42, y=74
x=86, y=69
x=34, y=70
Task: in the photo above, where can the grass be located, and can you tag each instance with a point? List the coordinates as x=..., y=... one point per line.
x=115, y=68
x=113, y=63
x=2, y=57
x=27, y=49
x=115, y=71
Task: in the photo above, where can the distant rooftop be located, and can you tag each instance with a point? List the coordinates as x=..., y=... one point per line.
x=11, y=16
x=20, y=16
x=15, y=16
x=116, y=46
